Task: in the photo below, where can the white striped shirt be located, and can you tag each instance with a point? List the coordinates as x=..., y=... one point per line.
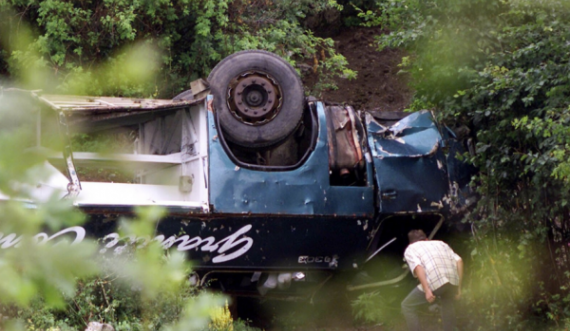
x=438, y=260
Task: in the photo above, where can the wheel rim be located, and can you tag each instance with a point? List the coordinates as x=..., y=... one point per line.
x=254, y=98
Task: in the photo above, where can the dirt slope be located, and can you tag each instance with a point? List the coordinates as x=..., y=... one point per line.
x=379, y=86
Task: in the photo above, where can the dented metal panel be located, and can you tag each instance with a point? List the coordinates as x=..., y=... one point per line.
x=303, y=191
x=409, y=165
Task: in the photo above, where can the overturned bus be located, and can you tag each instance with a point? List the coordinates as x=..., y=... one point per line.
x=268, y=191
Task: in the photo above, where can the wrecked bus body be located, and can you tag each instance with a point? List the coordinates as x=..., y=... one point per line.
x=262, y=211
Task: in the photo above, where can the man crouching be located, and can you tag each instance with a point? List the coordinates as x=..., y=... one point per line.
x=440, y=272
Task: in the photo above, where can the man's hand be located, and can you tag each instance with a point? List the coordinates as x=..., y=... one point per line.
x=458, y=295
x=460, y=274
x=421, y=274
x=429, y=296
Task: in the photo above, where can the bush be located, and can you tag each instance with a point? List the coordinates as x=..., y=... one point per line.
x=502, y=68
x=83, y=44
x=106, y=299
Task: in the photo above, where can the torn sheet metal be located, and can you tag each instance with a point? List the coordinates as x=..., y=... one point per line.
x=409, y=165
x=413, y=136
x=302, y=191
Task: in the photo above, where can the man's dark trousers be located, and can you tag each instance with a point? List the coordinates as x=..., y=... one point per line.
x=445, y=298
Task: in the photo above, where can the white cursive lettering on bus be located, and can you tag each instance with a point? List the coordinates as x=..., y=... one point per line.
x=12, y=240
x=228, y=248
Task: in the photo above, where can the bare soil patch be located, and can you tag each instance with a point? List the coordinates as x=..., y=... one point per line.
x=379, y=85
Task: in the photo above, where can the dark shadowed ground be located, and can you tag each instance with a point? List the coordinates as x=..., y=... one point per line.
x=328, y=315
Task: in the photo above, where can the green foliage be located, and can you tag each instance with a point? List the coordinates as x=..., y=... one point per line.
x=81, y=46
x=111, y=300
x=117, y=142
x=501, y=67
x=221, y=319
x=331, y=65
x=369, y=18
x=29, y=269
x=122, y=141
x=377, y=307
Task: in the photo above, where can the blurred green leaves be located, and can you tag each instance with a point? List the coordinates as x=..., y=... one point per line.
x=146, y=266
x=196, y=313
x=46, y=259
x=49, y=271
x=130, y=72
x=19, y=52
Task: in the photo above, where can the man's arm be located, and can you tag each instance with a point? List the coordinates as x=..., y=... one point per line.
x=460, y=274
x=421, y=274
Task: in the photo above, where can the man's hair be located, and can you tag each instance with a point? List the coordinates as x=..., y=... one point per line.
x=416, y=235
